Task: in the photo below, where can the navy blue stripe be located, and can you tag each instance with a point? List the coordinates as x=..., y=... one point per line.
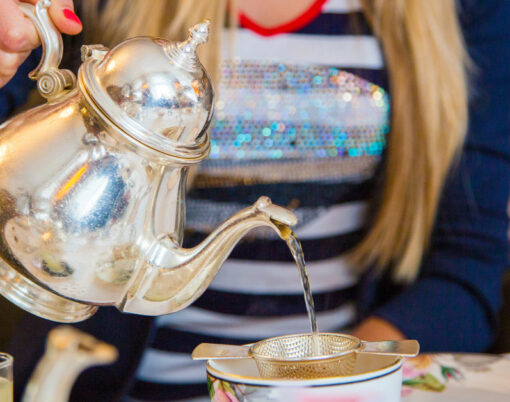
x=151, y=391
x=375, y=76
x=353, y=23
x=176, y=341
x=257, y=305
x=305, y=194
x=277, y=250
x=15, y=93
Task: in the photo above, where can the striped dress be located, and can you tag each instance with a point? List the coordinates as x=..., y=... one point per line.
x=301, y=117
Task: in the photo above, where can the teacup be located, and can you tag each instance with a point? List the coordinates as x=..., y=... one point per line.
x=375, y=378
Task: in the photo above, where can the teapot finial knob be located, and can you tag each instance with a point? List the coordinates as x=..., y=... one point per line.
x=185, y=53
x=199, y=33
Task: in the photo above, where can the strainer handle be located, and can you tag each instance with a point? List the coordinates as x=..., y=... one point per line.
x=407, y=348
x=206, y=351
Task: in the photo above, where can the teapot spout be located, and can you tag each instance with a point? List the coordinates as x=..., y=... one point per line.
x=174, y=277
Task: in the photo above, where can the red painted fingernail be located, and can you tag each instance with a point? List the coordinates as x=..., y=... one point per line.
x=70, y=15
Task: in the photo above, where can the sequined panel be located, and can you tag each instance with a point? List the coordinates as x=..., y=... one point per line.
x=277, y=123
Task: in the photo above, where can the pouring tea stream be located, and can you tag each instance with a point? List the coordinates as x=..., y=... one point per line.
x=92, y=183
x=296, y=250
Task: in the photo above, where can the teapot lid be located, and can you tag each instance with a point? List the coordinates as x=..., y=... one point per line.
x=154, y=90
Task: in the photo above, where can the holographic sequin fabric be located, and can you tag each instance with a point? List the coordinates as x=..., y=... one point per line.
x=278, y=123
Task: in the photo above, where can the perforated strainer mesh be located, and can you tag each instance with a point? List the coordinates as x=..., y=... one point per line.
x=292, y=356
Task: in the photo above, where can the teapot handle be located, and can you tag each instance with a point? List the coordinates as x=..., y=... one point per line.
x=51, y=81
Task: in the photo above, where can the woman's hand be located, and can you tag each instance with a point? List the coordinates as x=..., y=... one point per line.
x=18, y=36
x=376, y=329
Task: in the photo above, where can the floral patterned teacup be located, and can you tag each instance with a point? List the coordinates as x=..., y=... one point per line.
x=374, y=379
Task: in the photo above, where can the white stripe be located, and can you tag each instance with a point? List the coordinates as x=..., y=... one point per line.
x=359, y=109
x=269, y=277
x=335, y=220
x=202, y=321
x=357, y=51
x=313, y=223
x=166, y=367
x=341, y=6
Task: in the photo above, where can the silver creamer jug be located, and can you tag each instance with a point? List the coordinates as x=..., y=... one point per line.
x=92, y=183
x=68, y=353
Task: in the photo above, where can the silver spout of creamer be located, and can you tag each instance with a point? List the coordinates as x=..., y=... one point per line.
x=68, y=353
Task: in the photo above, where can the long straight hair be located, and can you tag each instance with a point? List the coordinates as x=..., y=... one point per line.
x=121, y=19
x=426, y=61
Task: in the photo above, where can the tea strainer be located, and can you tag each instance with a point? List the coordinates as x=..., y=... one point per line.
x=299, y=356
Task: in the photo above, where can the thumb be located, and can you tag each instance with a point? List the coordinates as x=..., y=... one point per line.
x=63, y=16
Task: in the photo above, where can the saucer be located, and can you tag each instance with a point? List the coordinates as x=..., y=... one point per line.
x=245, y=370
x=462, y=377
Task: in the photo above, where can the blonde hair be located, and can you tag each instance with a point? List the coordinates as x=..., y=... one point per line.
x=426, y=60
x=121, y=19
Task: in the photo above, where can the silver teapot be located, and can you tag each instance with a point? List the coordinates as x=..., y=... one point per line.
x=93, y=182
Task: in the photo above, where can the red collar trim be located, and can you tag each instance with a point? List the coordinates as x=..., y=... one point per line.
x=291, y=26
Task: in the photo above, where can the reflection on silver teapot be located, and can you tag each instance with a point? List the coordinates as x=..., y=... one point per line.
x=92, y=183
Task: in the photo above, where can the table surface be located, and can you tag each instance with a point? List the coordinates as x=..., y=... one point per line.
x=457, y=377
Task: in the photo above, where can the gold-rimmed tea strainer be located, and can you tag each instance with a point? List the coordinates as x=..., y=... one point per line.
x=293, y=357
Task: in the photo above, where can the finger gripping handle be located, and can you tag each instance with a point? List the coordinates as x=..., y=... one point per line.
x=51, y=81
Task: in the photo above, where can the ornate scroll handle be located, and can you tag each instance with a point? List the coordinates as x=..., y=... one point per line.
x=51, y=81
